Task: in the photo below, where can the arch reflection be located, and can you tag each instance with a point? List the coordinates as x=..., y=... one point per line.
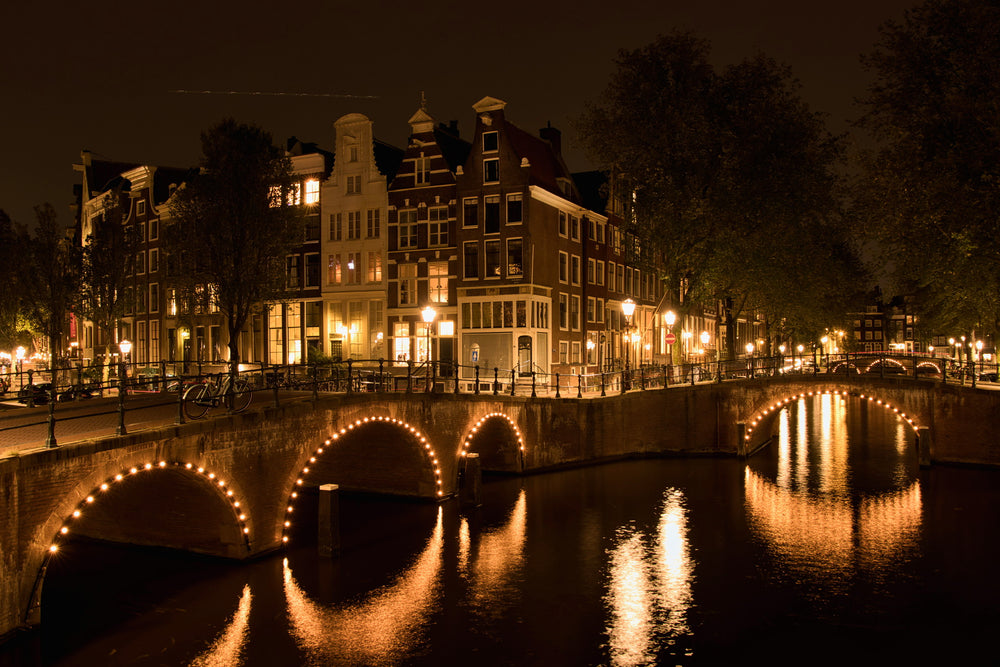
x=649, y=586
x=377, y=630
x=227, y=649
x=494, y=562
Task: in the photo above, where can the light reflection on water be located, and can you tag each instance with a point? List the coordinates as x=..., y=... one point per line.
x=227, y=649
x=649, y=586
x=497, y=561
x=380, y=629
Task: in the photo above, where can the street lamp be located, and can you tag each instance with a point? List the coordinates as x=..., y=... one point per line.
x=19, y=353
x=670, y=317
x=628, y=308
x=428, y=314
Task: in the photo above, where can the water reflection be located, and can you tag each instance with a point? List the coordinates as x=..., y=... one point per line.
x=227, y=649
x=812, y=517
x=499, y=556
x=649, y=587
x=383, y=628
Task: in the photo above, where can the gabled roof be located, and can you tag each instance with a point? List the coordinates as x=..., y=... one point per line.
x=387, y=159
x=547, y=166
x=592, y=186
x=454, y=149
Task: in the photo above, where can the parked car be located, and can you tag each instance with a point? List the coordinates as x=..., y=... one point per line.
x=41, y=393
x=988, y=376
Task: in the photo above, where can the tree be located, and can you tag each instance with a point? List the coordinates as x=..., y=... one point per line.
x=13, y=242
x=734, y=180
x=107, y=266
x=50, y=284
x=929, y=192
x=231, y=225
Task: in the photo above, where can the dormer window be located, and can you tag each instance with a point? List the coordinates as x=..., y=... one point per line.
x=491, y=141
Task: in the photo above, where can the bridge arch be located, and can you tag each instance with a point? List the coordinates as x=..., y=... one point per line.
x=498, y=441
x=339, y=457
x=760, y=424
x=94, y=510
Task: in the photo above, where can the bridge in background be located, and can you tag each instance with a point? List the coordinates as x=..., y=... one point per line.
x=229, y=486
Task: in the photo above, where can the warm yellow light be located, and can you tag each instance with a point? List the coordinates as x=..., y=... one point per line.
x=670, y=317
x=628, y=307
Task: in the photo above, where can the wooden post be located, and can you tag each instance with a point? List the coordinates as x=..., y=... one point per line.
x=471, y=492
x=329, y=520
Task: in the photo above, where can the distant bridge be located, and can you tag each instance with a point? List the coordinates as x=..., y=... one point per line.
x=230, y=486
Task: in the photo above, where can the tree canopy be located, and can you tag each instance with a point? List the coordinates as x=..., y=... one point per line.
x=734, y=180
x=929, y=192
x=231, y=228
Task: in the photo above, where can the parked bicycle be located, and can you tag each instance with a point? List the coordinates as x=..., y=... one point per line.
x=200, y=398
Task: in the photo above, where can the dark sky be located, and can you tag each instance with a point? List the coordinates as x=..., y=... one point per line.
x=76, y=75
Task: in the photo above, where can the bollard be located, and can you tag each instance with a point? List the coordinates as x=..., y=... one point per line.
x=477, y=379
x=557, y=385
x=50, y=440
x=533, y=394
x=180, y=402
x=121, y=430
x=329, y=520
x=513, y=382
x=471, y=491
x=602, y=384
x=31, y=388
x=496, y=380
x=579, y=386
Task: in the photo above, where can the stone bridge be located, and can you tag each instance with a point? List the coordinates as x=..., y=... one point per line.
x=229, y=486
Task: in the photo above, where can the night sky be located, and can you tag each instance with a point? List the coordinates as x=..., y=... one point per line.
x=100, y=76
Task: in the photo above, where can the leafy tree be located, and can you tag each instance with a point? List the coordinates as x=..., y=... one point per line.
x=13, y=241
x=107, y=266
x=929, y=192
x=231, y=228
x=50, y=284
x=734, y=181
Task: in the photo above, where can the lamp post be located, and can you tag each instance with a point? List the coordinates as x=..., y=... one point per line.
x=125, y=346
x=19, y=354
x=670, y=318
x=428, y=314
x=628, y=308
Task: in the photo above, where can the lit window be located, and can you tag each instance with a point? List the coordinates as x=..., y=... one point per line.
x=514, y=259
x=437, y=281
x=312, y=191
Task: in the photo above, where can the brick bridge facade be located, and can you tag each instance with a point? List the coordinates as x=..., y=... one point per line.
x=229, y=486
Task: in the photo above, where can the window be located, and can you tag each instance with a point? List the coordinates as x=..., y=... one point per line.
x=294, y=196
x=600, y=272
x=600, y=310
x=514, y=208
x=140, y=207
x=437, y=281
x=563, y=311
x=576, y=352
x=591, y=309
x=374, y=223
x=333, y=275
x=491, y=141
x=562, y=224
x=574, y=228
x=312, y=269
x=154, y=298
x=492, y=214
x=353, y=185
x=353, y=268
x=437, y=227
x=335, y=227
x=574, y=312
x=470, y=252
x=470, y=212
x=592, y=229
x=491, y=170
x=354, y=153
x=563, y=352
x=154, y=229
x=563, y=267
x=514, y=258
x=493, y=259
x=408, y=228
x=374, y=267
x=292, y=271
x=354, y=224
x=611, y=276
x=407, y=284
x=274, y=196
x=422, y=170
x=591, y=272
x=154, y=261
x=574, y=270
x=140, y=263
x=312, y=191
x=600, y=232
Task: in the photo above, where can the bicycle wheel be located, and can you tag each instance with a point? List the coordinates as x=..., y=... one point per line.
x=242, y=395
x=197, y=401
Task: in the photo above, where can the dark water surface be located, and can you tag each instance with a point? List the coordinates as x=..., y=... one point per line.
x=830, y=547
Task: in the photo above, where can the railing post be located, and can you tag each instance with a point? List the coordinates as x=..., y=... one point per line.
x=274, y=384
x=579, y=386
x=691, y=370
x=602, y=384
x=31, y=388
x=79, y=383
x=121, y=407
x=350, y=379
x=381, y=375
x=315, y=383
x=513, y=382
x=50, y=440
x=718, y=368
x=477, y=380
x=458, y=371
x=180, y=402
x=496, y=380
x=666, y=376
x=163, y=376
x=409, y=374
x=944, y=372
x=533, y=394
x=557, y=385
x=642, y=378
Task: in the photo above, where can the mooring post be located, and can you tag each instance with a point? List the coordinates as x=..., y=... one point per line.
x=329, y=520
x=471, y=493
x=924, y=445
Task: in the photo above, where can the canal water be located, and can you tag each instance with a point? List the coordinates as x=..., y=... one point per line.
x=829, y=547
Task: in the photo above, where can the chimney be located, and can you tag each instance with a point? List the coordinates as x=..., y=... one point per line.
x=553, y=136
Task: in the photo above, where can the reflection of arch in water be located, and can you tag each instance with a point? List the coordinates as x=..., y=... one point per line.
x=763, y=416
x=804, y=529
x=377, y=630
x=227, y=649
x=649, y=587
x=499, y=555
x=418, y=437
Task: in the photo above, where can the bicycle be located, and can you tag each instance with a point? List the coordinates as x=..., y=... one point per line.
x=200, y=398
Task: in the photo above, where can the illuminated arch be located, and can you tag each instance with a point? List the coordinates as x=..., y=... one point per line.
x=300, y=480
x=475, y=429
x=848, y=367
x=777, y=405
x=929, y=364
x=886, y=361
